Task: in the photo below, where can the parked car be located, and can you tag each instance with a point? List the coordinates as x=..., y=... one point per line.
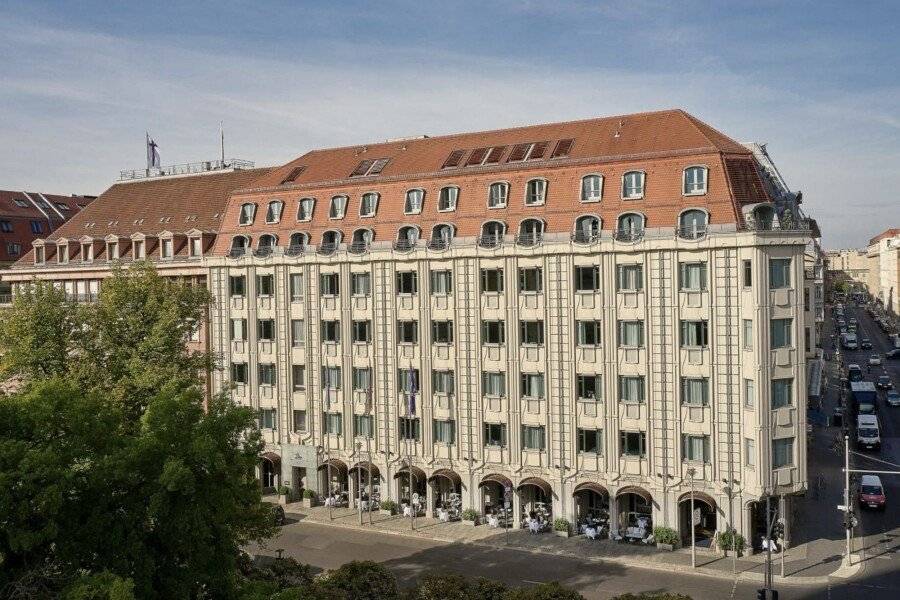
x=893, y=398
x=875, y=360
x=865, y=344
x=893, y=354
x=853, y=321
x=854, y=373
x=884, y=383
x=871, y=492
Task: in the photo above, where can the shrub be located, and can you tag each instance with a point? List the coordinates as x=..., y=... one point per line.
x=561, y=524
x=363, y=580
x=470, y=514
x=725, y=540
x=284, y=490
x=102, y=586
x=389, y=505
x=544, y=591
x=309, y=494
x=450, y=586
x=666, y=535
x=653, y=596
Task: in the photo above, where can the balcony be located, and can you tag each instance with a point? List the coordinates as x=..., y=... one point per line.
x=529, y=240
x=585, y=237
x=490, y=242
x=629, y=235
x=358, y=247
x=691, y=233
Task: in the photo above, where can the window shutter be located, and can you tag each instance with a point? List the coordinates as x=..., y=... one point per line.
x=477, y=156
x=293, y=174
x=454, y=159
x=361, y=168
x=518, y=152
x=538, y=150
x=494, y=155
x=378, y=166
x=562, y=149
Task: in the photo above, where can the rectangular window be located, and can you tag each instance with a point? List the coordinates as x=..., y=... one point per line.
x=806, y=299
x=779, y=273
x=237, y=285
x=112, y=251
x=493, y=332
x=531, y=280
x=409, y=428
x=362, y=379
x=267, y=419
x=444, y=431
x=296, y=287
x=441, y=283
x=491, y=280
x=495, y=435
x=362, y=332
x=407, y=332
x=443, y=382
x=167, y=248
x=590, y=441
x=239, y=372
x=265, y=285
x=532, y=385
x=139, y=252
x=748, y=334
x=266, y=374
x=782, y=453
x=692, y=276
x=265, y=330
x=6, y=227
x=633, y=443
x=196, y=247
x=631, y=388
x=37, y=227
x=298, y=377
x=630, y=278
x=334, y=423
x=587, y=279
x=748, y=273
x=447, y=199
x=331, y=332
x=360, y=284
x=750, y=452
x=631, y=334
x=238, y=330
x=695, y=448
x=588, y=333
x=363, y=426
x=749, y=394
x=406, y=381
x=531, y=332
x=695, y=391
x=297, y=333
x=782, y=394
x=590, y=387
x=781, y=333
x=694, y=334
x=493, y=384
x=442, y=332
x=331, y=378
x=329, y=284
x=532, y=438
x=299, y=421
x=407, y=282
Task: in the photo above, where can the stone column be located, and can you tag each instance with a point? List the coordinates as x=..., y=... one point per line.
x=429, y=498
x=516, y=510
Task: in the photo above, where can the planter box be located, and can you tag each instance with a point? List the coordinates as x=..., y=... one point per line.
x=309, y=502
x=470, y=523
x=382, y=511
x=669, y=547
x=562, y=534
x=283, y=499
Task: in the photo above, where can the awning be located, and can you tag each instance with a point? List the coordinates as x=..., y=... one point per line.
x=633, y=489
x=538, y=483
x=454, y=477
x=591, y=486
x=365, y=466
x=271, y=457
x=698, y=497
x=496, y=478
x=336, y=464
x=417, y=473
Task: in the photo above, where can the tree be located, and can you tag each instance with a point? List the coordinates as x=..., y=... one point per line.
x=450, y=586
x=653, y=596
x=544, y=591
x=364, y=580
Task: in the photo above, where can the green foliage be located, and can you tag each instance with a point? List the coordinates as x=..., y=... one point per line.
x=560, y=524
x=102, y=586
x=470, y=514
x=310, y=494
x=446, y=586
x=653, y=596
x=544, y=591
x=725, y=540
x=389, y=505
x=364, y=580
x=666, y=535
x=284, y=490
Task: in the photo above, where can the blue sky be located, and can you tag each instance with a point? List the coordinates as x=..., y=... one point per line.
x=80, y=82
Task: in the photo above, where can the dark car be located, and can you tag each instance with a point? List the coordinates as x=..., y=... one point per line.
x=895, y=353
x=893, y=398
x=884, y=383
x=865, y=344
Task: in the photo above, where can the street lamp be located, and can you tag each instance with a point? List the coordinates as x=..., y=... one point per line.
x=359, y=480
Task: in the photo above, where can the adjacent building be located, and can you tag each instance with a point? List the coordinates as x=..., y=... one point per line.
x=883, y=252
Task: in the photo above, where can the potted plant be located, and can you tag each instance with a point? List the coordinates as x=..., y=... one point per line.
x=470, y=517
x=309, y=498
x=562, y=527
x=666, y=538
x=730, y=540
x=284, y=494
x=388, y=507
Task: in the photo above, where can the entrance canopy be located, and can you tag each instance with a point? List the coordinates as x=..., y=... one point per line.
x=452, y=476
x=633, y=489
x=502, y=480
x=538, y=483
x=591, y=486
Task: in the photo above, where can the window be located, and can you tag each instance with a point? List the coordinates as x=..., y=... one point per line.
x=267, y=418
x=630, y=227
x=238, y=330
x=237, y=285
x=532, y=438
x=495, y=435
x=497, y=194
x=695, y=391
x=296, y=287
x=112, y=250
x=695, y=181
x=493, y=384
x=362, y=332
x=781, y=333
x=37, y=227
x=531, y=232
x=297, y=242
x=407, y=282
x=443, y=382
x=587, y=279
x=298, y=377
x=87, y=252
x=588, y=333
x=591, y=188
x=779, y=273
x=749, y=394
x=361, y=240
x=633, y=443
x=166, y=249
x=441, y=283
x=265, y=285
x=138, y=250
x=750, y=452
x=694, y=334
x=297, y=333
x=485, y=156
x=407, y=332
x=441, y=236
x=782, y=453
x=590, y=441
x=631, y=334
x=20, y=203
x=442, y=332
x=6, y=227
x=695, y=448
x=493, y=332
x=265, y=330
x=62, y=254
x=692, y=224
x=748, y=334
x=368, y=206
x=334, y=424
x=38, y=254
x=329, y=284
x=532, y=385
x=331, y=332
x=360, y=284
x=562, y=149
x=447, y=198
x=748, y=273
x=299, y=421
x=239, y=372
x=631, y=388
x=590, y=387
x=196, y=247
x=692, y=276
x=444, y=431
x=266, y=242
x=266, y=374
x=587, y=229
x=370, y=167
x=273, y=212
x=454, y=159
x=331, y=378
x=409, y=428
x=535, y=192
x=305, y=209
x=338, y=207
x=492, y=234
x=782, y=394
x=362, y=379
x=633, y=185
x=806, y=299
x=630, y=278
x=248, y=212
x=531, y=333
x=413, y=203
x=491, y=280
x=531, y=280
x=362, y=426
x=407, y=237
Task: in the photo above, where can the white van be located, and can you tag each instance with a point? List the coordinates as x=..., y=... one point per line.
x=868, y=434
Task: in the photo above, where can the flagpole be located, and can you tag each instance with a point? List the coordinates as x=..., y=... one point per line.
x=222, y=138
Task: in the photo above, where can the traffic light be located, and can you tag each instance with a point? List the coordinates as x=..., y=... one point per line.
x=761, y=594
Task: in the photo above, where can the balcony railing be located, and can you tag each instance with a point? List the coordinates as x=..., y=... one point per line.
x=404, y=245
x=691, y=233
x=358, y=247
x=785, y=224
x=186, y=168
x=327, y=248
x=586, y=237
x=629, y=235
x=490, y=241
x=438, y=244
x=264, y=252
x=295, y=250
x=528, y=240
x=237, y=252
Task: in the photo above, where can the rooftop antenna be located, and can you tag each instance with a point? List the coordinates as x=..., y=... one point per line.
x=222, y=139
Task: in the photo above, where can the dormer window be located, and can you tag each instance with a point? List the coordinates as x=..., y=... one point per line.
x=369, y=204
x=299, y=240
x=330, y=241
x=166, y=249
x=633, y=185
x=87, y=252
x=630, y=227
x=695, y=181
x=39, y=255
x=273, y=213
x=266, y=243
x=62, y=254
x=587, y=229
x=138, y=250
x=248, y=213
x=531, y=231
x=692, y=224
x=491, y=234
x=239, y=244
x=441, y=236
x=196, y=247
x=362, y=238
x=305, y=209
x=497, y=194
x=413, y=203
x=447, y=199
x=591, y=188
x=338, y=207
x=407, y=237
x=535, y=192
x=112, y=250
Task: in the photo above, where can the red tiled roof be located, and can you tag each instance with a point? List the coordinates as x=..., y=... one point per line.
x=20, y=217
x=884, y=234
